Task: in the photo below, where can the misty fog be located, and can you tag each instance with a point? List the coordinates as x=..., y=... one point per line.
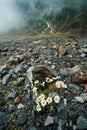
x=14, y=14
x=9, y=17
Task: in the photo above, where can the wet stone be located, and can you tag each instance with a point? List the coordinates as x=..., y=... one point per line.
x=82, y=123
x=22, y=118
x=32, y=128
x=20, y=106
x=84, y=96
x=74, y=89
x=62, y=111
x=6, y=78
x=75, y=69
x=11, y=108
x=3, y=119
x=19, y=69
x=83, y=55
x=49, y=121
x=11, y=95
x=64, y=72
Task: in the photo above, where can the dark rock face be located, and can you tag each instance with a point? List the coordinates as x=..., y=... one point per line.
x=66, y=58
x=3, y=120
x=22, y=118
x=82, y=123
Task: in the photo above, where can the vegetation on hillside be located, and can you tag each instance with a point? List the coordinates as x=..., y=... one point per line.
x=64, y=15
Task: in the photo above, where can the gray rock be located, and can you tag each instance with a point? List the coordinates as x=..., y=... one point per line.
x=32, y=128
x=19, y=69
x=1, y=92
x=83, y=55
x=59, y=128
x=75, y=69
x=62, y=111
x=3, y=119
x=49, y=121
x=6, y=78
x=20, y=80
x=74, y=89
x=84, y=68
x=11, y=95
x=27, y=97
x=75, y=127
x=11, y=71
x=64, y=72
x=79, y=99
x=11, y=108
x=20, y=106
x=61, y=122
x=85, y=45
x=53, y=67
x=4, y=54
x=82, y=123
x=73, y=115
x=84, y=96
x=84, y=50
x=22, y=118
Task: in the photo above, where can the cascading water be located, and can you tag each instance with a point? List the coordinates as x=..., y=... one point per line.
x=48, y=29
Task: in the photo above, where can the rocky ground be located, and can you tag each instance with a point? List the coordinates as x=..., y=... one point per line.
x=67, y=58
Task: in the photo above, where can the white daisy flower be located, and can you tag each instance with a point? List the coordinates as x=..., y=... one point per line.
x=57, y=77
x=47, y=79
x=38, y=108
x=36, y=82
x=64, y=86
x=43, y=103
x=49, y=100
x=42, y=96
x=57, y=99
x=57, y=84
x=43, y=84
x=51, y=80
x=35, y=89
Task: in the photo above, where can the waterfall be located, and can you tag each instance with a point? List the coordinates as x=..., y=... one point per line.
x=48, y=28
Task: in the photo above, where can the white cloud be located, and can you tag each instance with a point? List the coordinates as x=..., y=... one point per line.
x=9, y=17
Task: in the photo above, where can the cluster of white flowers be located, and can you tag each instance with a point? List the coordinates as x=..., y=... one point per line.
x=42, y=101
x=50, y=80
x=60, y=84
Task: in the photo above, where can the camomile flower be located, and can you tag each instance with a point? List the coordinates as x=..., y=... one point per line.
x=64, y=86
x=36, y=82
x=42, y=96
x=43, y=103
x=61, y=83
x=57, y=99
x=38, y=108
x=48, y=80
x=51, y=80
x=57, y=84
x=35, y=89
x=43, y=84
x=57, y=77
x=49, y=100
